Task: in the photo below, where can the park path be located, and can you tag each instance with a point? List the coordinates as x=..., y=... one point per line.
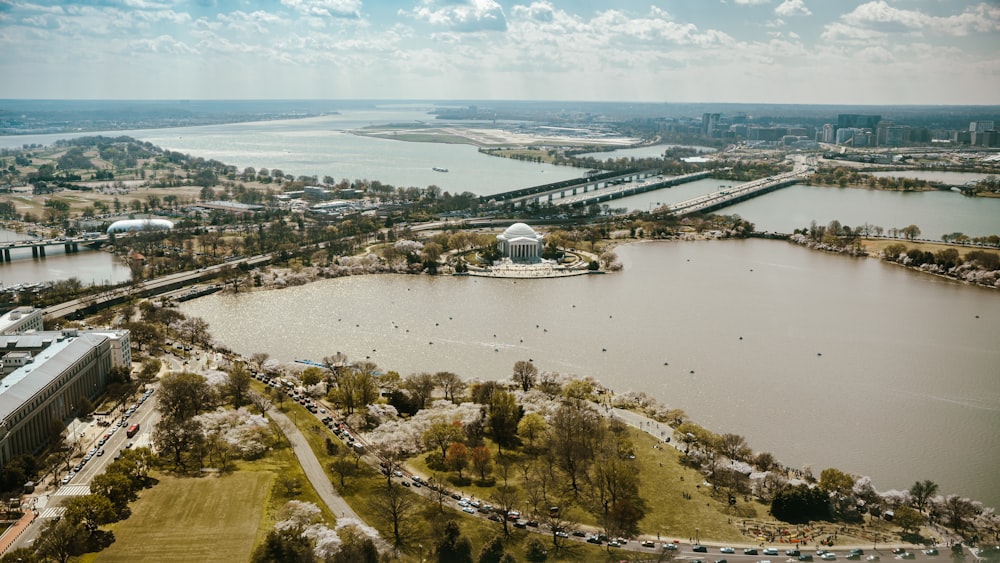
x=314, y=471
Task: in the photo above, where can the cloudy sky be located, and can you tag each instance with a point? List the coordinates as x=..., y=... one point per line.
x=780, y=51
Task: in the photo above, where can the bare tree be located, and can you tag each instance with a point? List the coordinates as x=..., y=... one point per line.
x=525, y=374
x=394, y=506
x=450, y=383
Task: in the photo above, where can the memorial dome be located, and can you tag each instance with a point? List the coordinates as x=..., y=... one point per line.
x=519, y=230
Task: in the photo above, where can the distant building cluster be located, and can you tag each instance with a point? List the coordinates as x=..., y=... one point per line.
x=853, y=130
x=44, y=376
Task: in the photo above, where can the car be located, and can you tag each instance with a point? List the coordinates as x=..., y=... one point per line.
x=579, y=533
x=614, y=543
x=520, y=524
x=594, y=540
x=462, y=502
x=469, y=510
x=828, y=556
x=792, y=552
x=873, y=558
x=699, y=549
x=906, y=555
x=397, y=473
x=533, y=523
x=727, y=550
x=562, y=534
x=931, y=551
x=770, y=551
x=407, y=485
x=898, y=551
x=805, y=557
x=100, y=452
x=670, y=546
x=65, y=479
x=648, y=543
x=495, y=517
x=749, y=551
x=456, y=496
x=853, y=557
x=858, y=550
x=721, y=561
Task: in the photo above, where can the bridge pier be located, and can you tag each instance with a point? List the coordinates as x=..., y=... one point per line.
x=6, y=254
x=34, y=252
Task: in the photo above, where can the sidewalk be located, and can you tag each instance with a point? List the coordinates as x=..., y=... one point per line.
x=15, y=531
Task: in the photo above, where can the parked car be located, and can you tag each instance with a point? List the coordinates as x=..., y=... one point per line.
x=907, y=555
x=931, y=551
x=749, y=551
x=699, y=549
x=873, y=558
x=805, y=557
x=727, y=550
x=829, y=556
x=770, y=551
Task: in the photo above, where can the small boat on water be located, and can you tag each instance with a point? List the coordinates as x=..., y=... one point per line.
x=439, y=169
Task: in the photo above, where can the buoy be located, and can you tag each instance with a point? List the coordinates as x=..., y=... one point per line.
x=692, y=371
x=604, y=349
x=819, y=353
x=666, y=363
x=741, y=338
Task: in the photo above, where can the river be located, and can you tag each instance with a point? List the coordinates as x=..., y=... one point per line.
x=89, y=266
x=821, y=359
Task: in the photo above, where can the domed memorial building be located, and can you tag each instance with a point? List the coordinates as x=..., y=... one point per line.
x=521, y=244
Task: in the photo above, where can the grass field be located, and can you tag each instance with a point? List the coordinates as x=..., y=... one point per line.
x=876, y=246
x=187, y=519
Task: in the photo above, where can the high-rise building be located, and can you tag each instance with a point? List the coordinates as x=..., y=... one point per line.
x=709, y=123
x=858, y=121
x=981, y=126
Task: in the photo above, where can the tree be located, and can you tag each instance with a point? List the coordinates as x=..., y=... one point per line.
x=183, y=395
x=420, y=386
x=504, y=414
x=908, y=519
x=923, y=491
x=535, y=551
x=481, y=460
x=238, y=384
x=194, y=330
x=117, y=488
x=443, y=434
x=144, y=334
x=453, y=547
x=957, y=511
x=394, y=506
x=356, y=548
x=910, y=232
x=91, y=511
x=733, y=446
x=285, y=545
x=573, y=432
x=457, y=457
x=344, y=467
x=504, y=499
x=177, y=437
x=835, y=481
x=532, y=427
x=492, y=551
x=60, y=540
x=800, y=503
x=450, y=383
x=525, y=374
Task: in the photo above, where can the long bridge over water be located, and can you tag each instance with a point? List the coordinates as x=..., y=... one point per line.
x=722, y=198
x=38, y=246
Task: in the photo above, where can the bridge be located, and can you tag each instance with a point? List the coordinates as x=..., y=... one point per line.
x=722, y=198
x=38, y=246
x=521, y=193
x=627, y=187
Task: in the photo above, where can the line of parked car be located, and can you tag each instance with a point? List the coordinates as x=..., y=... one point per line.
x=796, y=555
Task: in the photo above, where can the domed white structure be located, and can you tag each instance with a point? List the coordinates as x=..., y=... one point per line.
x=127, y=225
x=521, y=243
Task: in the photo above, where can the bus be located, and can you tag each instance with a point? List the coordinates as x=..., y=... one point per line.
x=132, y=430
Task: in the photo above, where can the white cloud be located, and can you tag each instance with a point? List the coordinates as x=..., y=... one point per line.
x=327, y=8
x=163, y=44
x=751, y=2
x=982, y=18
x=790, y=8
x=467, y=16
x=837, y=31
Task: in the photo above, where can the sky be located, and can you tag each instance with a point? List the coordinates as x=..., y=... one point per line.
x=752, y=51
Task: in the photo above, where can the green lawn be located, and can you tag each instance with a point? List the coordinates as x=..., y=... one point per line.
x=188, y=519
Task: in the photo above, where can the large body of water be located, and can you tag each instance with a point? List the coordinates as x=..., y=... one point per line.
x=820, y=359
x=89, y=266
x=323, y=146
x=907, y=386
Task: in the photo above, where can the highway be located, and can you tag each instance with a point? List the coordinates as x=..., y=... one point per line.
x=48, y=505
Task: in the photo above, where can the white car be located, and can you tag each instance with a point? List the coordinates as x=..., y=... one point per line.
x=469, y=510
x=828, y=556
x=727, y=550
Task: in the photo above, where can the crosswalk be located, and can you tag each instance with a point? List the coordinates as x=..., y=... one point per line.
x=52, y=512
x=73, y=490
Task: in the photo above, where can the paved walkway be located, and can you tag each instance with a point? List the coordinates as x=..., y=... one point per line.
x=16, y=530
x=313, y=470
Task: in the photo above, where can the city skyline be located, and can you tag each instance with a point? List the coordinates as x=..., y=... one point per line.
x=752, y=51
